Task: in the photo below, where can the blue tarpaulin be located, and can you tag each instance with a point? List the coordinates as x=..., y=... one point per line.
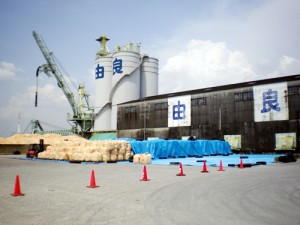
x=177, y=148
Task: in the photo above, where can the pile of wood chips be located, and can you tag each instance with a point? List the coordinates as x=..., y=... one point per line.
x=25, y=139
x=74, y=148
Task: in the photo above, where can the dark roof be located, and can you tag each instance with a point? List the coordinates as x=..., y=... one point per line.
x=219, y=88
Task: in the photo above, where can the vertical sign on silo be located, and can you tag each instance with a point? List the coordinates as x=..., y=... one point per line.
x=271, y=102
x=179, y=111
x=103, y=72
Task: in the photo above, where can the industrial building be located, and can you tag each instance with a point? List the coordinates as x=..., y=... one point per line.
x=257, y=116
x=121, y=76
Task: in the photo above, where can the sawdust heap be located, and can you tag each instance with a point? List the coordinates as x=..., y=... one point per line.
x=35, y=139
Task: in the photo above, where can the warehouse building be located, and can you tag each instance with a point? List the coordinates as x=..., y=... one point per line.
x=257, y=116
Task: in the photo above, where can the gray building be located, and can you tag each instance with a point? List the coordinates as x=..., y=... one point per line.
x=257, y=116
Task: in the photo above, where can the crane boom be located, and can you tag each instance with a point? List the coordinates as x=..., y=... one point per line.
x=83, y=115
x=55, y=71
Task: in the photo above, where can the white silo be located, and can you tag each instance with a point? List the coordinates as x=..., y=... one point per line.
x=103, y=74
x=125, y=78
x=149, y=77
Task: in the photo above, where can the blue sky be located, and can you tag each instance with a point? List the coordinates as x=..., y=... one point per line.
x=199, y=43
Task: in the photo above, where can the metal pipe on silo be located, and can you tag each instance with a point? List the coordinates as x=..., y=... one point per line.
x=103, y=74
x=149, y=77
x=125, y=63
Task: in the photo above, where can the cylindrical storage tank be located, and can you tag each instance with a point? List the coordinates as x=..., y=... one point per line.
x=124, y=88
x=103, y=74
x=149, y=77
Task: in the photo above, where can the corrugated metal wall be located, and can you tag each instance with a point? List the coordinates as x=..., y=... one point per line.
x=213, y=115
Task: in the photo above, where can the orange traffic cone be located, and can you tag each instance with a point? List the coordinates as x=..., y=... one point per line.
x=93, y=181
x=204, y=170
x=180, y=171
x=17, y=191
x=145, y=177
x=221, y=166
x=241, y=164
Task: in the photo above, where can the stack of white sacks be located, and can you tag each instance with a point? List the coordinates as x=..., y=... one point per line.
x=142, y=158
x=90, y=151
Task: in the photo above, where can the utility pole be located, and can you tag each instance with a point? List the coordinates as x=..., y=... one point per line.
x=145, y=118
x=19, y=124
x=297, y=132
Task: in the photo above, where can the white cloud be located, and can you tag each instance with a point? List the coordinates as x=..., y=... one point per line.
x=7, y=70
x=259, y=32
x=49, y=97
x=204, y=64
x=49, y=92
x=287, y=66
x=242, y=46
x=52, y=107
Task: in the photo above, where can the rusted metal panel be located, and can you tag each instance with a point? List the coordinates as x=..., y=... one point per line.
x=214, y=113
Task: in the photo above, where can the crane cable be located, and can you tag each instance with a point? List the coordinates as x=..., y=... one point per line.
x=37, y=74
x=64, y=71
x=52, y=126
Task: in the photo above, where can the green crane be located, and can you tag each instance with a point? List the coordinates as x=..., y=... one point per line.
x=83, y=112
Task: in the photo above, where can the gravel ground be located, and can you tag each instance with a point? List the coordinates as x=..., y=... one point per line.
x=57, y=193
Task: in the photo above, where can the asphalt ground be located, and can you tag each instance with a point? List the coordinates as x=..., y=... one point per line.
x=57, y=193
